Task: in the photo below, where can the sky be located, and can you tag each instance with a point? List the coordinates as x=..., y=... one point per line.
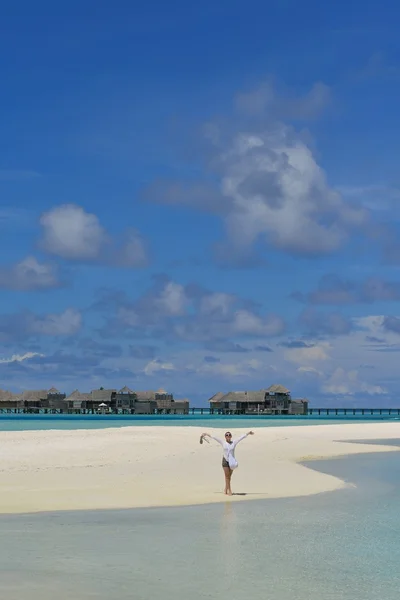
x=201, y=197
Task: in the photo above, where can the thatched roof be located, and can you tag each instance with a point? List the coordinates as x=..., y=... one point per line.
x=277, y=389
x=78, y=396
x=34, y=395
x=125, y=390
x=102, y=395
x=253, y=397
x=217, y=397
x=54, y=390
x=6, y=396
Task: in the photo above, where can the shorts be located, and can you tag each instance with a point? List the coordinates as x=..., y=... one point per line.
x=225, y=462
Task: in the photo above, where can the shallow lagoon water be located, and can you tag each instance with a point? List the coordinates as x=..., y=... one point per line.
x=23, y=422
x=343, y=545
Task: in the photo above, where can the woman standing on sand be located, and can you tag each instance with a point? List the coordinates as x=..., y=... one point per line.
x=229, y=462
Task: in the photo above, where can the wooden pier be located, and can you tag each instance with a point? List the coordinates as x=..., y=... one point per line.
x=353, y=411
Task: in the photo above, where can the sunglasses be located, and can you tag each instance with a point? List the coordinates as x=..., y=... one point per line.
x=228, y=435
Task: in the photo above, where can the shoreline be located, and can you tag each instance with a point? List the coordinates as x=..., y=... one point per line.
x=154, y=466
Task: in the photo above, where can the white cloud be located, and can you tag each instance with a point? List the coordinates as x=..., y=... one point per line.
x=361, y=362
x=226, y=369
x=279, y=193
x=72, y=233
x=29, y=274
x=367, y=343
x=239, y=369
x=372, y=323
x=157, y=366
x=20, y=357
x=166, y=302
x=310, y=371
x=303, y=356
x=194, y=314
x=68, y=322
x=172, y=299
x=347, y=383
x=271, y=186
x=216, y=302
x=378, y=198
x=131, y=253
x=248, y=323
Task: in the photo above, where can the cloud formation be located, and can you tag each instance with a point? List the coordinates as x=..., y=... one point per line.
x=25, y=325
x=18, y=358
x=227, y=371
x=68, y=322
x=29, y=275
x=270, y=189
x=335, y=290
x=392, y=324
x=156, y=366
x=347, y=383
x=317, y=323
x=68, y=231
x=308, y=354
x=170, y=310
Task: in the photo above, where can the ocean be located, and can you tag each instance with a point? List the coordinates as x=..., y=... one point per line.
x=21, y=422
x=343, y=545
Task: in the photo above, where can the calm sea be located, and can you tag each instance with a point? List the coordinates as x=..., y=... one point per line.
x=28, y=422
x=343, y=545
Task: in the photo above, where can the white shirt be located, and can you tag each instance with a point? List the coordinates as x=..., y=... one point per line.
x=229, y=449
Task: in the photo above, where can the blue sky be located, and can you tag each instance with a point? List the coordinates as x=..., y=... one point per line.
x=201, y=197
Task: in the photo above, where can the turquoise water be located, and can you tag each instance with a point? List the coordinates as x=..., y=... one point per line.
x=343, y=545
x=34, y=422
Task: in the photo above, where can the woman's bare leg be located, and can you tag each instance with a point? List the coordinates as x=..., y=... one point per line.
x=228, y=475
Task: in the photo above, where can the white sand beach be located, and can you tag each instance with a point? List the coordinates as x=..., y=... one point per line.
x=166, y=466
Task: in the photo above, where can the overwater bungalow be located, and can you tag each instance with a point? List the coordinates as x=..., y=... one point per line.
x=273, y=400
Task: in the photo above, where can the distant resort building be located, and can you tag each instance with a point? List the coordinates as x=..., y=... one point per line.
x=102, y=400
x=274, y=400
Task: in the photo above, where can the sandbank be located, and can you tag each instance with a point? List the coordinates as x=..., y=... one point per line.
x=152, y=466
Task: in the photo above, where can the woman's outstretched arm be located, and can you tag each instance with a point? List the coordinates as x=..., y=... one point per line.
x=242, y=437
x=213, y=438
